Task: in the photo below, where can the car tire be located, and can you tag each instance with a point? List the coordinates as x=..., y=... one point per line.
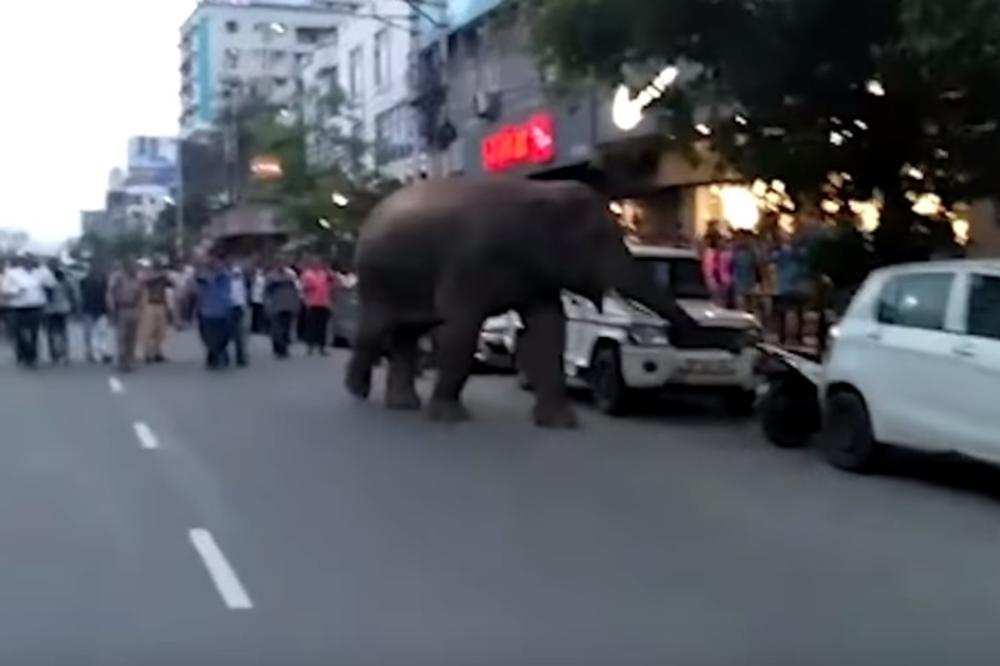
x=789, y=414
x=741, y=403
x=847, y=440
x=611, y=395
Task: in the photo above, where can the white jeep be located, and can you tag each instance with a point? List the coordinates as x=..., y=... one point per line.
x=625, y=347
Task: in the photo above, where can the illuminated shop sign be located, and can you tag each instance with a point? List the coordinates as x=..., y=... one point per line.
x=531, y=142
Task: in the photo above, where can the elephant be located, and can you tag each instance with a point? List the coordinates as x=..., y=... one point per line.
x=447, y=254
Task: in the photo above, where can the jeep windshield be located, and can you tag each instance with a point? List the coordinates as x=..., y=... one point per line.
x=681, y=275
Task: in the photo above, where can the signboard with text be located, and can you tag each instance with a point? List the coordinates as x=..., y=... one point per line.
x=530, y=142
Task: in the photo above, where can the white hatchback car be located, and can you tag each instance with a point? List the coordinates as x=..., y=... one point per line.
x=916, y=362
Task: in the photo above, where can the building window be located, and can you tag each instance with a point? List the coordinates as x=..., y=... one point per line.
x=393, y=135
x=355, y=73
x=232, y=27
x=383, y=59
x=276, y=58
x=232, y=58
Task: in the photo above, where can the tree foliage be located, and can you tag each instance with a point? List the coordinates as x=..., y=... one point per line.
x=306, y=195
x=793, y=90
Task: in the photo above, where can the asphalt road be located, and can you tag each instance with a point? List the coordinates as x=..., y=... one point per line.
x=263, y=517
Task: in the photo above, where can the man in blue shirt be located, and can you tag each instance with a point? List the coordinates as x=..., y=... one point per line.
x=215, y=306
x=789, y=262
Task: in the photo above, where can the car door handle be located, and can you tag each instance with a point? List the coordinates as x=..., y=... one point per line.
x=964, y=352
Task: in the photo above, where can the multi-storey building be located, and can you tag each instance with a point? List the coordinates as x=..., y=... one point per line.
x=234, y=48
x=357, y=87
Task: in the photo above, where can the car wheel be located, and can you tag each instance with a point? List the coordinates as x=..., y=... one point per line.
x=610, y=392
x=741, y=403
x=847, y=439
x=789, y=414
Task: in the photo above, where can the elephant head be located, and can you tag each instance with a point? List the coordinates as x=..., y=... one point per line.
x=596, y=260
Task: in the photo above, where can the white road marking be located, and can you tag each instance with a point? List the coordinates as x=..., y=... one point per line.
x=225, y=579
x=116, y=385
x=146, y=437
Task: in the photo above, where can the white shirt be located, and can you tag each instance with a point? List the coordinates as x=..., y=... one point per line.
x=238, y=288
x=24, y=288
x=259, y=285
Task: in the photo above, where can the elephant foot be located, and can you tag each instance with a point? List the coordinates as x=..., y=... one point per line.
x=447, y=412
x=561, y=417
x=403, y=401
x=358, y=386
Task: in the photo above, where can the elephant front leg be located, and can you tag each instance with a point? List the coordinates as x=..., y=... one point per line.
x=400, y=391
x=541, y=358
x=457, y=341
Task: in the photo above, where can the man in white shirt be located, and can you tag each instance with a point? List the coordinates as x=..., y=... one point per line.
x=23, y=286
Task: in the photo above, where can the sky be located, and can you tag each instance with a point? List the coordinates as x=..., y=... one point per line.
x=79, y=78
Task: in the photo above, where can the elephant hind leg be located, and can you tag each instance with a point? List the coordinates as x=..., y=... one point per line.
x=456, y=345
x=541, y=358
x=369, y=346
x=400, y=392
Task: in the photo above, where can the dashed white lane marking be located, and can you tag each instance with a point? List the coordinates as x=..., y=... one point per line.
x=145, y=435
x=225, y=579
x=116, y=386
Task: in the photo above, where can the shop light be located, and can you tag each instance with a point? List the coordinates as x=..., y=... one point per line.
x=339, y=200
x=869, y=214
x=703, y=129
x=860, y=124
x=616, y=208
x=836, y=138
x=829, y=206
x=627, y=111
x=915, y=173
x=928, y=204
x=739, y=207
x=961, y=228
x=324, y=223
x=875, y=87
x=741, y=120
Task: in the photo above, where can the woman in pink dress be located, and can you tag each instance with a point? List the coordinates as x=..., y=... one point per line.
x=317, y=289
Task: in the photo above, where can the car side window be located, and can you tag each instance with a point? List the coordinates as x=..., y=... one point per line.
x=984, y=307
x=916, y=301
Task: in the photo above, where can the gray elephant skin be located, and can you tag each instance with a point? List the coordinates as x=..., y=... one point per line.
x=448, y=254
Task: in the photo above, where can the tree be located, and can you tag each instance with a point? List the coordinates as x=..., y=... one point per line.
x=841, y=99
x=317, y=204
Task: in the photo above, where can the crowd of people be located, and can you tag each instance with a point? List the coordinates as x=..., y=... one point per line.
x=767, y=277
x=128, y=310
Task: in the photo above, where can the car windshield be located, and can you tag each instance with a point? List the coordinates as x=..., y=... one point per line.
x=682, y=275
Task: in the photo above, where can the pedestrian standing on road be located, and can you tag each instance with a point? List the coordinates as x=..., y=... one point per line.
x=157, y=313
x=239, y=289
x=24, y=291
x=60, y=304
x=746, y=271
x=258, y=318
x=281, y=294
x=317, y=292
x=215, y=304
x=126, y=298
x=94, y=307
x=790, y=297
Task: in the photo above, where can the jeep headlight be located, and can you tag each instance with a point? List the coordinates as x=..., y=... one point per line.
x=648, y=335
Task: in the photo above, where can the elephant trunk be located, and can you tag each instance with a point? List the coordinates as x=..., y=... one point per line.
x=685, y=331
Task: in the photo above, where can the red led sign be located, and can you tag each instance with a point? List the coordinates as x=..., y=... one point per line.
x=532, y=142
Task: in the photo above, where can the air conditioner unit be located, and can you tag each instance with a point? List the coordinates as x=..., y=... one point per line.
x=486, y=104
